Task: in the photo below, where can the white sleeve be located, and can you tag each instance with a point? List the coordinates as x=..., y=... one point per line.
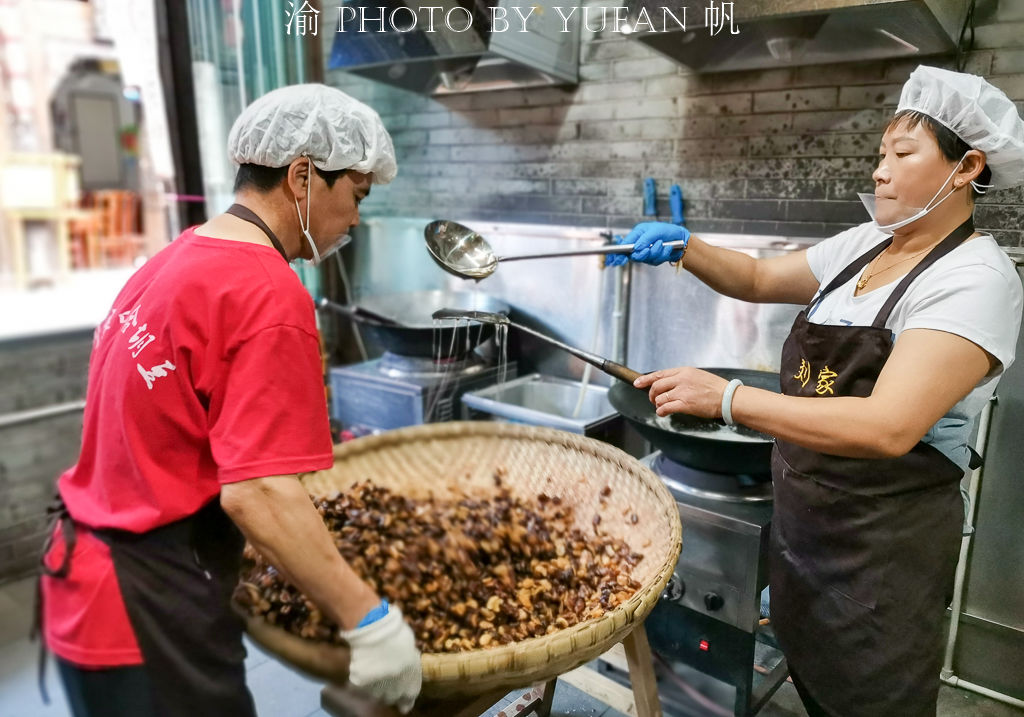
x=977, y=301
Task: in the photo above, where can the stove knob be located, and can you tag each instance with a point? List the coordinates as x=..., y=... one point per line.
x=713, y=601
x=675, y=589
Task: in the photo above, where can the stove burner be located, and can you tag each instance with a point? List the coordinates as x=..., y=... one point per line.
x=713, y=486
x=398, y=366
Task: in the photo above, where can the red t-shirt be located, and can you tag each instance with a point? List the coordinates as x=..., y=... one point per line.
x=206, y=371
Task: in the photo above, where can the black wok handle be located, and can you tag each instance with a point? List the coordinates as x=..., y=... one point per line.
x=623, y=373
x=610, y=367
x=358, y=312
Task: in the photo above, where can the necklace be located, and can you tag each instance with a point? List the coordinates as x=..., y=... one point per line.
x=868, y=276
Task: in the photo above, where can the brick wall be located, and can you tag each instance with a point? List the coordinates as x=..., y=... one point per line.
x=36, y=373
x=771, y=152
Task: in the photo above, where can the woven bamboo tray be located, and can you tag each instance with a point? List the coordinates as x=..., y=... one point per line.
x=445, y=459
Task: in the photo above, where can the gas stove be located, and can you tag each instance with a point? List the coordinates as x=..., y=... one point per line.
x=394, y=391
x=709, y=615
x=729, y=488
x=723, y=566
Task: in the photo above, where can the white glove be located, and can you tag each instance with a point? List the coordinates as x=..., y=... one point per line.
x=385, y=662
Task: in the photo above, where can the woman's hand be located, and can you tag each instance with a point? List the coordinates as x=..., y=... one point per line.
x=684, y=390
x=649, y=239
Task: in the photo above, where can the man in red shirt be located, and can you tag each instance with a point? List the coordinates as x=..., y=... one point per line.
x=205, y=401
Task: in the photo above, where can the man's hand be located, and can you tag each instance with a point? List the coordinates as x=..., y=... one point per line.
x=385, y=662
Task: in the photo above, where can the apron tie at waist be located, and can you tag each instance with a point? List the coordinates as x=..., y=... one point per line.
x=190, y=640
x=58, y=514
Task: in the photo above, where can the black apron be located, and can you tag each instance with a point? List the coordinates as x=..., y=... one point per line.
x=176, y=582
x=863, y=551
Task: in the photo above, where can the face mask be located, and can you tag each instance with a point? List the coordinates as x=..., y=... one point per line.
x=337, y=244
x=305, y=227
x=333, y=248
x=870, y=201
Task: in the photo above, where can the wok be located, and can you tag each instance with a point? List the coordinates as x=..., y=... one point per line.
x=412, y=331
x=701, y=443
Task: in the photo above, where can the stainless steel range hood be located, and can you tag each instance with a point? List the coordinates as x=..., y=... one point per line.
x=440, y=57
x=782, y=33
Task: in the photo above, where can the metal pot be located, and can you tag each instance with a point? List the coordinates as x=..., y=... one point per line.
x=413, y=331
x=701, y=443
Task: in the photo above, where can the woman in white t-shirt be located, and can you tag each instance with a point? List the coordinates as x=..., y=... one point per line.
x=911, y=319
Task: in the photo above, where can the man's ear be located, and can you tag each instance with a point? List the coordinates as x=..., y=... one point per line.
x=298, y=175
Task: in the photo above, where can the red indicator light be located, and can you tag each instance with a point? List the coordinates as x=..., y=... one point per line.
x=704, y=645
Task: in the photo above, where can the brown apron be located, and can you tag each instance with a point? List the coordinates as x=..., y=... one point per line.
x=863, y=550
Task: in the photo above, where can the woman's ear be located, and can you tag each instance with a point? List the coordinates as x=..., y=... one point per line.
x=970, y=168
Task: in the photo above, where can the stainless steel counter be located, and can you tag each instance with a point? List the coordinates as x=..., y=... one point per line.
x=990, y=644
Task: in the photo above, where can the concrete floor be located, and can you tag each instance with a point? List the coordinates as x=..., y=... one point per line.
x=281, y=692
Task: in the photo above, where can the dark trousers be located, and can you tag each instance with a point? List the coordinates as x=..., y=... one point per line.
x=107, y=692
x=810, y=704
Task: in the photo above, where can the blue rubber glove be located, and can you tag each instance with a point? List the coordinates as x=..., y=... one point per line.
x=616, y=259
x=374, y=615
x=650, y=238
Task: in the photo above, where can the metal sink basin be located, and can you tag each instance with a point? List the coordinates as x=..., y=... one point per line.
x=543, y=401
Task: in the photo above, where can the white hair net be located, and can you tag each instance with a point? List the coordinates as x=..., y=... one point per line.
x=976, y=112
x=334, y=130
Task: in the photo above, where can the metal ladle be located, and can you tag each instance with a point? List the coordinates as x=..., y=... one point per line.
x=610, y=367
x=461, y=251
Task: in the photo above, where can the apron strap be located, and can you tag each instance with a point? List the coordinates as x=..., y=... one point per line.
x=248, y=215
x=849, y=272
x=951, y=242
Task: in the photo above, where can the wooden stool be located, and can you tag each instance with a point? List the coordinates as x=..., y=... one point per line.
x=340, y=701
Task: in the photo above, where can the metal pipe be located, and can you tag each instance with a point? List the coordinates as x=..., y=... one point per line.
x=236, y=16
x=946, y=674
x=279, y=60
x=965, y=543
x=955, y=681
x=16, y=418
x=603, y=249
x=622, y=308
x=259, y=73
x=350, y=298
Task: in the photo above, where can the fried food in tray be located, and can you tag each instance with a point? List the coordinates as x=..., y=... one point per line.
x=478, y=571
